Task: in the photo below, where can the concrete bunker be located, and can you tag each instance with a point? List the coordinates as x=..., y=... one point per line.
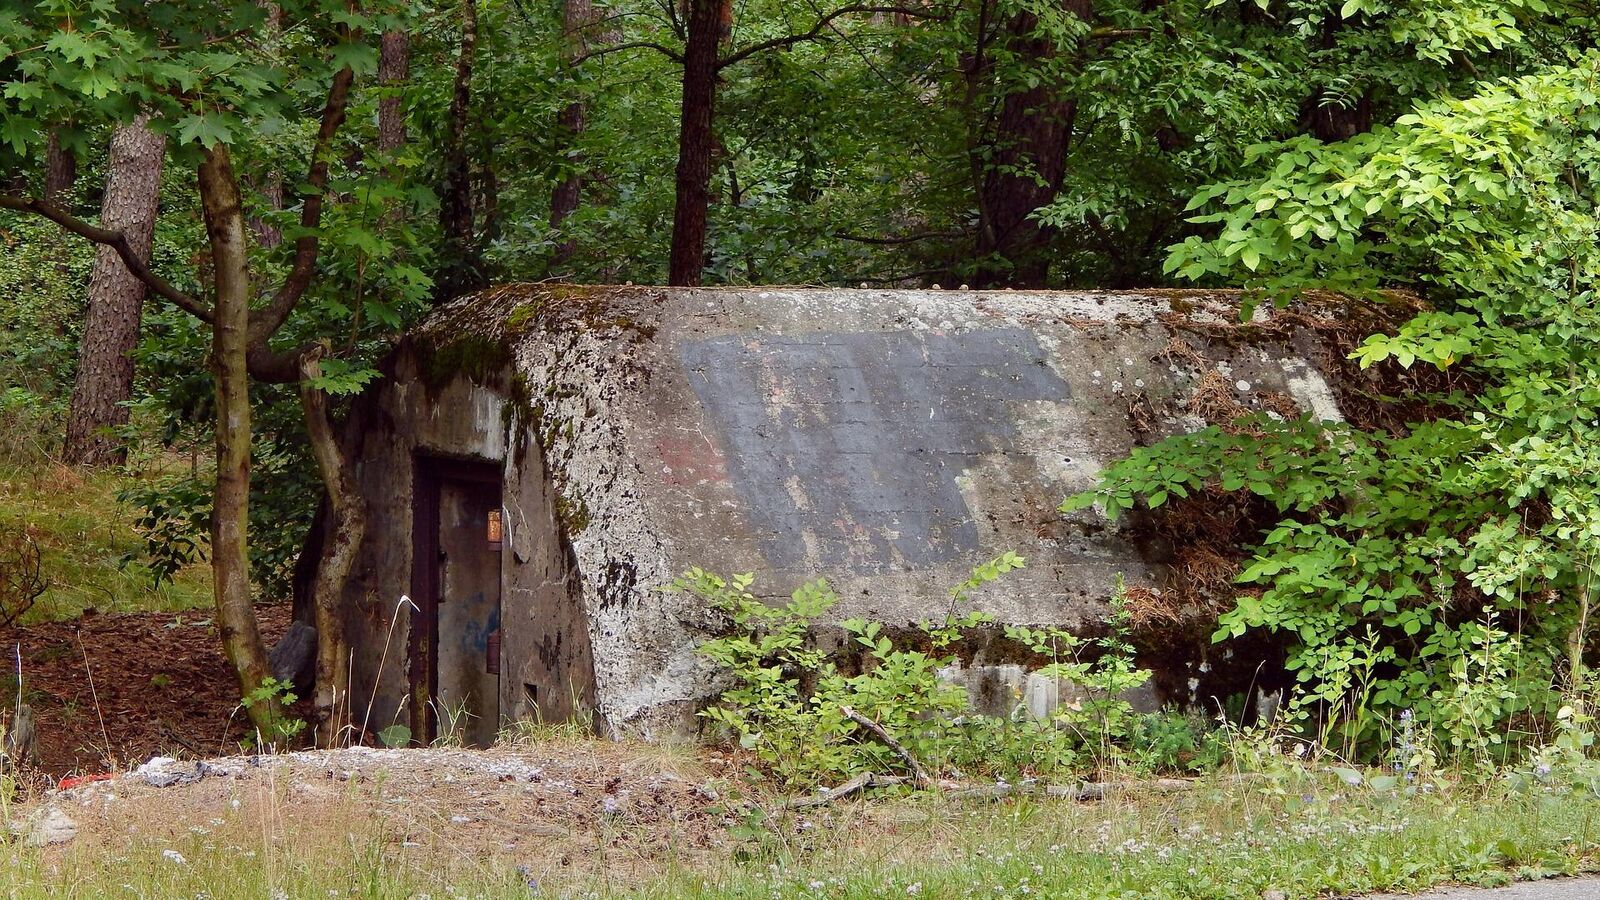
x=540, y=460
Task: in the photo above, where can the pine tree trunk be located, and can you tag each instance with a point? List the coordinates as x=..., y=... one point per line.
x=268, y=234
x=116, y=299
x=60, y=172
x=707, y=21
x=579, y=21
x=1028, y=150
x=460, y=272
x=394, y=67
x=230, y=344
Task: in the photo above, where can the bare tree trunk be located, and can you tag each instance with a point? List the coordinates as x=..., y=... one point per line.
x=1027, y=162
x=230, y=344
x=460, y=272
x=269, y=235
x=579, y=21
x=1336, y=120
x=394, y=67
x=60, y=172
x=346, y=529
x=708, y=20
x=104, y=381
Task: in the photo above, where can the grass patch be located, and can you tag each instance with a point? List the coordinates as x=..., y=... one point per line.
x=1215, y=844
x=89, y=547
x=1299, y=836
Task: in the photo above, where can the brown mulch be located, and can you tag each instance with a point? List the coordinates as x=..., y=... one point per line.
x=154, y=684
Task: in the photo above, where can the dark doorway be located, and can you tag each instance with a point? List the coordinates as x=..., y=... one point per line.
x=455, y=640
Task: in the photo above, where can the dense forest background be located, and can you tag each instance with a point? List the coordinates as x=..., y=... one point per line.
x=215, y=216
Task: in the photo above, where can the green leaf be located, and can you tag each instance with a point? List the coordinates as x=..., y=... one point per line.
x=76, y=47
x=396, y=735
x=206, y=130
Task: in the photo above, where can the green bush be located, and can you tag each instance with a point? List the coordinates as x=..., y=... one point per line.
x=1443, y=567
x=789, y=703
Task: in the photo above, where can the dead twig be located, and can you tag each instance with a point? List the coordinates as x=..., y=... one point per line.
x=855, y=785
x=94, y=693
x=1090, y=790
x=1083, y=791
x=918, y=773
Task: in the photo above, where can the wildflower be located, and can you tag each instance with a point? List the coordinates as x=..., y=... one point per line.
x=175, y=857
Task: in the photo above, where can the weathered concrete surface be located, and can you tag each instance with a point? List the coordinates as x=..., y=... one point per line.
x=887, y=440
x=456, y=408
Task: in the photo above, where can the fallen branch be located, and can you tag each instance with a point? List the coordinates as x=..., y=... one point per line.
x=1083, y=790
x=855, y=785
x=918, y=773
x=1100, y=790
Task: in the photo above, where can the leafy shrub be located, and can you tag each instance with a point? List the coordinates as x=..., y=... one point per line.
x=789, y=703
x=42, y=278
x=1444, y=567
x=805, y=736
x=277, y=696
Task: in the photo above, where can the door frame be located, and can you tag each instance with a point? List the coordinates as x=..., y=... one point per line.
x=429, y=473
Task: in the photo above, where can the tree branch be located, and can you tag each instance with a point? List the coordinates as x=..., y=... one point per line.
x=905, y=239
x=270, y=366
x=265, y=322
x=117, y=241
x=668, y=52
x=1115, y=34
x=822, y=25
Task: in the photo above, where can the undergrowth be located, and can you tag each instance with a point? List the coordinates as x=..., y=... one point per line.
x=806, y=720
x=91, y=553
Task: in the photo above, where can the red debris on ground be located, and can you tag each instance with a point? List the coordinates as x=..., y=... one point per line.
x=154, y=683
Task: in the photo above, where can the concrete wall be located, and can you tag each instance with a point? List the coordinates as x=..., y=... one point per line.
x=544, y=640
x=888, y=440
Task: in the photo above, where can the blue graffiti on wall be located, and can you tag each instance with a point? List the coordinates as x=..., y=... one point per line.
x=845, y=447
x=475, y=634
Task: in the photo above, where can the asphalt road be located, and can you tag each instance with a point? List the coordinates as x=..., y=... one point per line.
x=1557, y=889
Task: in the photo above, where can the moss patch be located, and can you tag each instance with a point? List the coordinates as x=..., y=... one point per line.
x=572, y=514
x=480, y=359
x=554, y=307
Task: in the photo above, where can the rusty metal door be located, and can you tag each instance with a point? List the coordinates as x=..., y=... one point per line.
x=456, y=577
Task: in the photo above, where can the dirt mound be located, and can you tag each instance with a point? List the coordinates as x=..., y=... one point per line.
x=550, y=807
x=112, y=691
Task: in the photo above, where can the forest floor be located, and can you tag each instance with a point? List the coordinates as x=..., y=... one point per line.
x=110, y=691
x=116, y=667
